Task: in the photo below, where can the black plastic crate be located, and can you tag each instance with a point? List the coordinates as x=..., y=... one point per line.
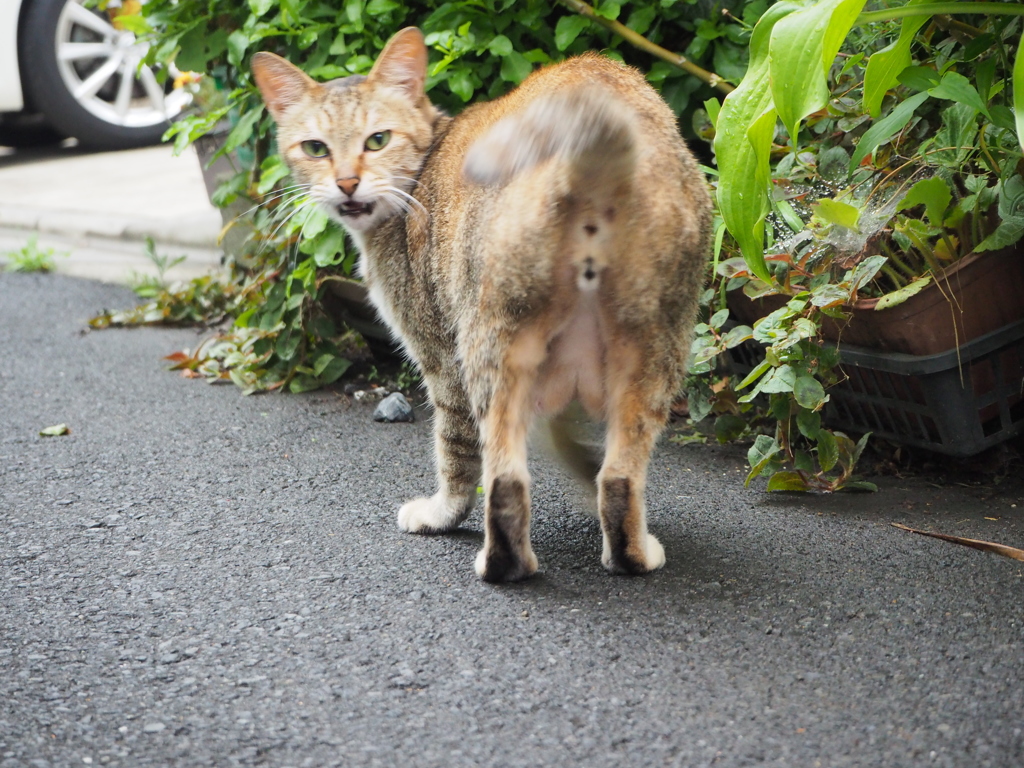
x=958, y=402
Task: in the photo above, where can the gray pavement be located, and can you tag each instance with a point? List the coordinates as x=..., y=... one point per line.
x=194, y=578
x=97, y=208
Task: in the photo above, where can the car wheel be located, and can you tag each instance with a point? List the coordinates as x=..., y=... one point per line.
x=82, y=72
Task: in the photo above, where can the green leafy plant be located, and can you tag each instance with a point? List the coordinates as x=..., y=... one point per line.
x=794, y=49
x=147, y=286
x=793, y=377
x=32, y=258
x=843, y=176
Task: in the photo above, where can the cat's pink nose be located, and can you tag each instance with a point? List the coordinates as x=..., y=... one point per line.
x=348, y=186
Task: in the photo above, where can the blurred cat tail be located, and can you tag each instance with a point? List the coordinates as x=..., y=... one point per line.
x=585, y=125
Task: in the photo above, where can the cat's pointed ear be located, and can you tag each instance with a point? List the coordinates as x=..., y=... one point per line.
x=282, y=84
x=403, y=63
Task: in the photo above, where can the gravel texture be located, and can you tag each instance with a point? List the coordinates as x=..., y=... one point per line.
x=195, y=578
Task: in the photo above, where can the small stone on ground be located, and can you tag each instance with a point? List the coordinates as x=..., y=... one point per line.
x=393, y=408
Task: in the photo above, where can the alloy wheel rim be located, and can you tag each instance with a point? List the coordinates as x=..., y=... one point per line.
x=100, y=66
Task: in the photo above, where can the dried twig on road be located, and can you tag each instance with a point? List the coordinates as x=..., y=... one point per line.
x=986, y=546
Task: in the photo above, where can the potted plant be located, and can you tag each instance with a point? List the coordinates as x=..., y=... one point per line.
x=873, y=186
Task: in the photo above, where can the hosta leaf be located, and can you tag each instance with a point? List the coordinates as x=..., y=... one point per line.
x=802, y=48
x=886, y=128
x=743, y=135
x=1018, y=92
x=884, y=67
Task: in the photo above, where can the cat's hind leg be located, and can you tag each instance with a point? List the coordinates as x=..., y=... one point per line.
x=506, y=417
x=637, y=410
x=457, y=452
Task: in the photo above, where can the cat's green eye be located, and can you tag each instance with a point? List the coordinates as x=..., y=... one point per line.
x=315, y=148
x=378, y=141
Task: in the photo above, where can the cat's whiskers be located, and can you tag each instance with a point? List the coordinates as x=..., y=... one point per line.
x=291, y=211
x=278, y=195
x=411, y=201
x=393, y=203
x=416, y=182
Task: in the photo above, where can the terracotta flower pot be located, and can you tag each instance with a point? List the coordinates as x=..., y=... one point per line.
x=976, y=295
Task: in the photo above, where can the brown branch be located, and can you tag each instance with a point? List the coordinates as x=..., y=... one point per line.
x=641, y=42
x=985, y=546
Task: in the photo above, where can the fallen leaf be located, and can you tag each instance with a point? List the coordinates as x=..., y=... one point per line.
x=59, y=429
x=986, y=546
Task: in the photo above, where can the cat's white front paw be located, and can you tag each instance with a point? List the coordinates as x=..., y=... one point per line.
x=655, y=553
x=419, y=516
x=436, y=514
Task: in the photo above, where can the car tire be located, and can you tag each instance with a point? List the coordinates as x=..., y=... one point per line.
x=48, y=82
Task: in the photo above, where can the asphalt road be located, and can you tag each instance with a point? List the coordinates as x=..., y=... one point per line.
x=194, y=578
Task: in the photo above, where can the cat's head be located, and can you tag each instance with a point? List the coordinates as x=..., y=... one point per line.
x=358, y=142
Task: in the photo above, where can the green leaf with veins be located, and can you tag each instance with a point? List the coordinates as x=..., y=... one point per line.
x=934, y=194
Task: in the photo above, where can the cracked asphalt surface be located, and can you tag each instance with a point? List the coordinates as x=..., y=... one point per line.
x=194, y=578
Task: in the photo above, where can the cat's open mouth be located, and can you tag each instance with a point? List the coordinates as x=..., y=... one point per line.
x=354, y=209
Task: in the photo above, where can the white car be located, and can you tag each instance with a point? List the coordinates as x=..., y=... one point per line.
x=68, y=70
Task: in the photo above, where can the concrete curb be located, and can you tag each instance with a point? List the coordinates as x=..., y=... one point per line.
x=111, y=260
x=199, y=230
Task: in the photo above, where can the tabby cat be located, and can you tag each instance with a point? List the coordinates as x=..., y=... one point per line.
x=539, y=249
